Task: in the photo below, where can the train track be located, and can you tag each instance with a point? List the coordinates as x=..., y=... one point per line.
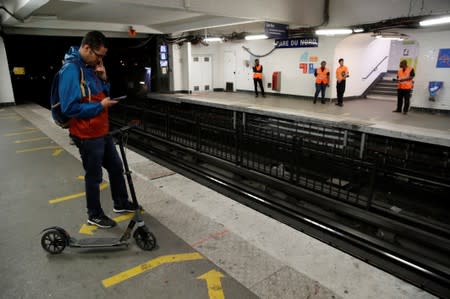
x=415, y=253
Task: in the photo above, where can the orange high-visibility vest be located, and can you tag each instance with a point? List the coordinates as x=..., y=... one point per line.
x=258, y=73
x=403, y=74
x=341, y=73
x=322, y=77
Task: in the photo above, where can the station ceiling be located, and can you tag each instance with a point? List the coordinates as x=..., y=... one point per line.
x=72, y=17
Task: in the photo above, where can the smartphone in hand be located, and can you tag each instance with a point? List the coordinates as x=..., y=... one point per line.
x=119, y=98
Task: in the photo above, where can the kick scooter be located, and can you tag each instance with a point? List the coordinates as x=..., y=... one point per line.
x=55, y=239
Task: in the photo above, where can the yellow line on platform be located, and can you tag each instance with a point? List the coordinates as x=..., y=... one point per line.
x=56, y=152
x=11, y=117
x=88, y=229
x=28, y=131
x=151, y=264
x=35, y=149
x=213, y=284
x=31, y=139
x=76, y=195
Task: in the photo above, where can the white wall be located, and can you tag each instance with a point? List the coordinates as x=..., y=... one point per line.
x=361, y=54
x=181, y=56
x=216, y=52
x=287, y=61
x=6, y=91
x=397, y=53
x=429, y=45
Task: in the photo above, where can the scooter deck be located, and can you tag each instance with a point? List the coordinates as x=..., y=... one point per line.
x=97, y=242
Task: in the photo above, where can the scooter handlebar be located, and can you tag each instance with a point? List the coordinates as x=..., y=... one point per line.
x=122, y=130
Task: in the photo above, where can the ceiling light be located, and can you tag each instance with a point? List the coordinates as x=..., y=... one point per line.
x=437, y=21
x=389, y=37
x=213, y=39
x=255, y=37
x=358, y=30
x=333, y=31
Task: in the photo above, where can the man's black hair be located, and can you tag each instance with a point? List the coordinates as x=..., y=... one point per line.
x=94, y=39
x=341, y=59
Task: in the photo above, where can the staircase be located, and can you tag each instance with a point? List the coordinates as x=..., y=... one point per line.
x=385, y=89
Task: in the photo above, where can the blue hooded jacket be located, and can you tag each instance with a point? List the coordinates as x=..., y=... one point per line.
x=69, y=90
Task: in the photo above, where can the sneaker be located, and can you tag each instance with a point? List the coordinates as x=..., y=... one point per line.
x=102, y=221
x=125, y=207
x=397, y=111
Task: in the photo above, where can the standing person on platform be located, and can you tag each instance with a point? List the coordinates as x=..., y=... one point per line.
x=87, y=104
x=257, y=78
x=405, y=77
x=341, y=76
x=322, y=75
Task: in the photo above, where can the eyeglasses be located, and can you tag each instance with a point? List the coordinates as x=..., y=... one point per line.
x=99, y=56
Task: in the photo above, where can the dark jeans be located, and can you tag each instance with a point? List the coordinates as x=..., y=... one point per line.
x=95, y=153
x=340, y=89
x=403, y=94
x=258, y=81
x=320, y=88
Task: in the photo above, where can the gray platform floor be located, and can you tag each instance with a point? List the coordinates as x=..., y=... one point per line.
x=258, y=256
x=367, y=115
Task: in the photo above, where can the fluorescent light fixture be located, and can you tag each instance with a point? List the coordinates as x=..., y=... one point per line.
x=213, y=39
x=358, y=30
x=389, y=37
x=255, y=37
x=333, y=31
x=437, y=21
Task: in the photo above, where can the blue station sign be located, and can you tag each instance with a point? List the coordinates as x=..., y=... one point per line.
x=305, y=42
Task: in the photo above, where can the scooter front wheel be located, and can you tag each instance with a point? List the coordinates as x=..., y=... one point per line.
x=144, y=238
x=53, y=241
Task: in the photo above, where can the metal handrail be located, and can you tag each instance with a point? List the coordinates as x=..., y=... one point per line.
x=375, y=68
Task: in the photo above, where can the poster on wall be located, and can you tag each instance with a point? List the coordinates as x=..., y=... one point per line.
x=443, y=58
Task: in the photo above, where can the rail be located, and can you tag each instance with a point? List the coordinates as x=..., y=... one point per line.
x=375, y=68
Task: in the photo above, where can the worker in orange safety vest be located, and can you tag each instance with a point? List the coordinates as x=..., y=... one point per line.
x=341, y=76
x=405, y=77
x=257, y=78
x=322, y=75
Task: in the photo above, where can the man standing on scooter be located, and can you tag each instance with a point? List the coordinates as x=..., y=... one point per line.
x=83, y=90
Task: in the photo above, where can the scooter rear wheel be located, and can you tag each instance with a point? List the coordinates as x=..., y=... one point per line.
x=144, y=239
x=53, y=241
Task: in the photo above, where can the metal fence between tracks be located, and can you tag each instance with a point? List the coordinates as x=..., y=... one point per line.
x=346, y=165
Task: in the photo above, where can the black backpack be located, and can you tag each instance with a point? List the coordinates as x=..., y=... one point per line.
x=59, y=117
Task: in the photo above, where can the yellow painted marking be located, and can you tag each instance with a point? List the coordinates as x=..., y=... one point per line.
x=56, y=152
x=213, y=284
x=165, y=259
x=11, y=117
x=80, y=177
x=31, y=140
x=35, y=149
x=21, y=133
x=76, y=195
x=88, y=229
